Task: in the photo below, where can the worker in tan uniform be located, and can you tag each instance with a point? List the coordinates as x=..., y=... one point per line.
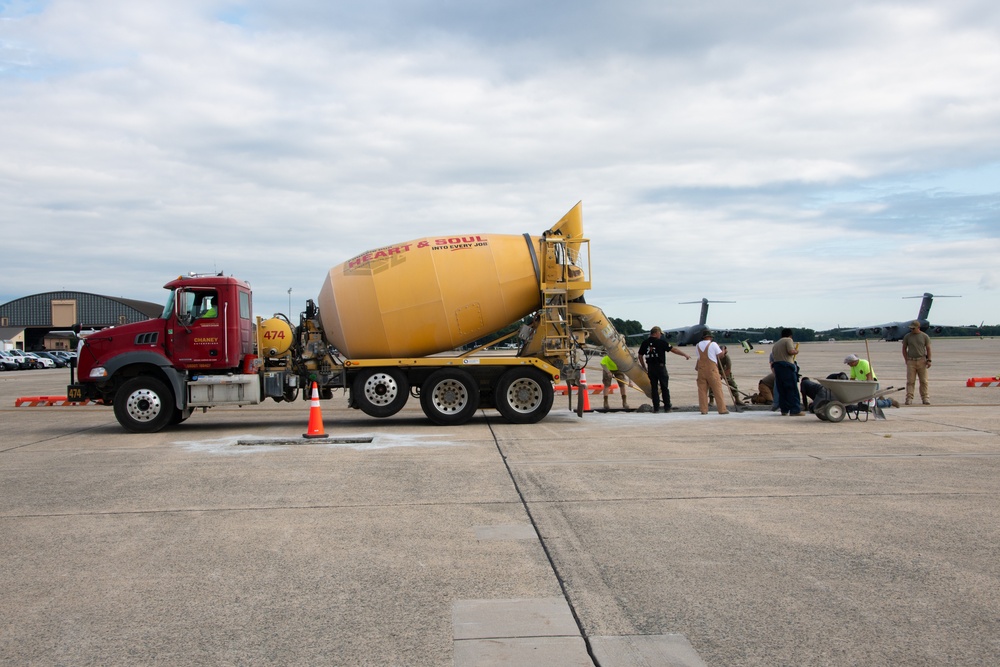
x=708, y=373
x=917, y=353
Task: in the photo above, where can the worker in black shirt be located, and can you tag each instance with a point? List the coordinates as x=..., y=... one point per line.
x=653, y=360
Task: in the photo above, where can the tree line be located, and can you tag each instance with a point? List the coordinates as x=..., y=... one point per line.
x=635, y=328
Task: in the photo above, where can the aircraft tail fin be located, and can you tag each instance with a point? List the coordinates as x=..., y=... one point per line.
x=925, y=306
x=925, y=303
x=704, y=309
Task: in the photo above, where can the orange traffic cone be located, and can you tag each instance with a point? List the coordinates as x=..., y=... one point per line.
x=583, y=390
x=315, y=416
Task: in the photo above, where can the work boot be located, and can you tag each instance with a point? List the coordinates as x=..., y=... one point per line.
x=624, y=404
x=926, y=402
x=894, y=402
x=908, y=401
x=606, y=406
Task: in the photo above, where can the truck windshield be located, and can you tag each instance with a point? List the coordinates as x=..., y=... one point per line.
x=169, y=308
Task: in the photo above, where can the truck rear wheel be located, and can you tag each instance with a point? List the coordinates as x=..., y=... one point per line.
x=449, y=397
x=144, y=405
x=524, y=395
x=380, y=392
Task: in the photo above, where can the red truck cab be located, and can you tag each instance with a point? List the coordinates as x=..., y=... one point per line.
x=143, y=368
x=208, y=323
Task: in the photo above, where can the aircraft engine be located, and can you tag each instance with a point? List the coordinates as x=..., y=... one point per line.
x=938, y=330
x=876, y=330
x=862, y=332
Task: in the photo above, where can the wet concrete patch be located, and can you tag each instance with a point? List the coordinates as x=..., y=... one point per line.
x=278, y=442
x=510, y=532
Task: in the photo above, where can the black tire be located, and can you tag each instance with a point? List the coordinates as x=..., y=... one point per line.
x=144, y=405
x=524, y=395
x=380, y=392
x=449, y=397
x=835, y=411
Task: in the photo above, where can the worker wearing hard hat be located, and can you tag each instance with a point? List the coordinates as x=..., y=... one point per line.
x=860, y=368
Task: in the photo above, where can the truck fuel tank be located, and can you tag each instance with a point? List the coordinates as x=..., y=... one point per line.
x=276, y=337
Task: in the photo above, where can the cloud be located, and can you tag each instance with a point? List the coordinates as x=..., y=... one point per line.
x=722, y=149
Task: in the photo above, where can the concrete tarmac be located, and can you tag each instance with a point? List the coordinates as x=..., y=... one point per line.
x=617, y=539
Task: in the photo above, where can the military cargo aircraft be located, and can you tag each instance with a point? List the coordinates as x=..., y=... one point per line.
x=891, y=331
x=691, y=335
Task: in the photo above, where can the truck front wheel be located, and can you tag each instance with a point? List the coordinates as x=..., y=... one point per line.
x=144, y=405
x=449, y=397
x=524, y=395
x=380, y=392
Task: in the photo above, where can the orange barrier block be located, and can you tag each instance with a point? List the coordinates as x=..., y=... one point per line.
x=599, y=388
x=983, y=382
x=46, y=401
x=594, y=389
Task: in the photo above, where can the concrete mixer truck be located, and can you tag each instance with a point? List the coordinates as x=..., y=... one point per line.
x=390, y=323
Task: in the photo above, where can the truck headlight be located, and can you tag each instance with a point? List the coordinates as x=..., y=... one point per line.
x=98, y=372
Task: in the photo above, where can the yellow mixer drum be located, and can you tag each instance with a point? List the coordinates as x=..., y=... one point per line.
x=429, y=295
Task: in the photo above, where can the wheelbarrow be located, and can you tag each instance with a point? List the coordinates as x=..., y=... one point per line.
x=851, y=398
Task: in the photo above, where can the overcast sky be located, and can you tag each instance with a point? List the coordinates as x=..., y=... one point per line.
x=813, y=162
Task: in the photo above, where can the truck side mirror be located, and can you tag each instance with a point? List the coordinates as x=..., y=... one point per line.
x=184, y=316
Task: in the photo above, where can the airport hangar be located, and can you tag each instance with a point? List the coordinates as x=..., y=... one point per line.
x=45, y=321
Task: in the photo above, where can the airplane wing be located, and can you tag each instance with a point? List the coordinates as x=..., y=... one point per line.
x=729, y=332
x=668, y=334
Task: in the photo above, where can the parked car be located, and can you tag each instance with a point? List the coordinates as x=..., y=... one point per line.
x=65, y=355
x=8, y=363
x=56, y=359
x=22, y=361
x=40, y=362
